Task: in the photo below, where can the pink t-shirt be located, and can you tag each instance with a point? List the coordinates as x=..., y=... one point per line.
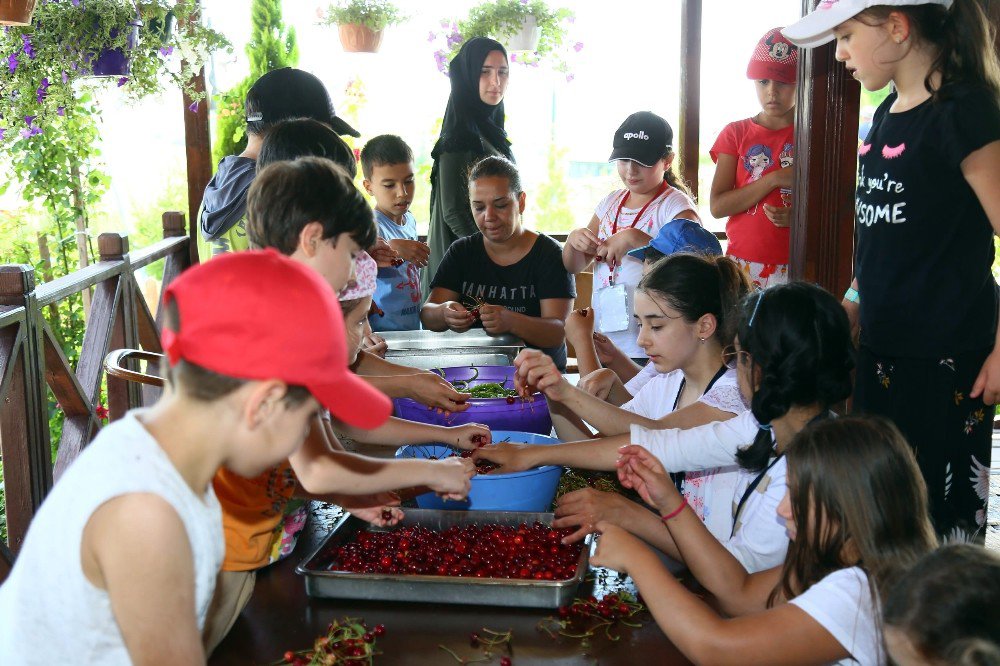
x=758, y=150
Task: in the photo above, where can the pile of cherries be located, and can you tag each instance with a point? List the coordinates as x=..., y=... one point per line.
x=347, y=641
x=481, y=551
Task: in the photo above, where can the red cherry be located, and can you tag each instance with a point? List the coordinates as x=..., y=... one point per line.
x=379, y=630
x=510, y=400
x=386, y=514
x=505, y=661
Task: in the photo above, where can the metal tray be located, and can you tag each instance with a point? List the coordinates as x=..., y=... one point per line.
x=439, y=589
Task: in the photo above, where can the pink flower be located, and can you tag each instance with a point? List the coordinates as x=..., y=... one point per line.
x=102, y=412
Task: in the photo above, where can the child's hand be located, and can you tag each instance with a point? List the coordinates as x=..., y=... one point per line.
x=433, y=390
x=613, y=250
x=382, y=253
x=457, y=317
x=373, y=508
x=607, y=351
x=374, y=344
x=587, y=507
x=451, y=477
x=536, y=370
x=410, y=250
x=580, y=326
x=470, y=436
x=583, y=240
x=615, y=547
x=640, y=470
x=599, y=383
x=783, y=177
x=509, y=456
x=780, y=216
x=496, y=318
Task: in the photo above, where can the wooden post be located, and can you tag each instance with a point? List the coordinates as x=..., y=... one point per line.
x=199, y=158
x=24, y=442
x=690, y=114
x=826, y=147
x=122, y=395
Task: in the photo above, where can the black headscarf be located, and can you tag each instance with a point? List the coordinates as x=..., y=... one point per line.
x=467, y=118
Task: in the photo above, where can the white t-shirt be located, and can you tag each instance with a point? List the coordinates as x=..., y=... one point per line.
x=760, y=541
x=646, y=373
x=49, y=612
x=709, y=491
x=842, y=604
x=662, y=210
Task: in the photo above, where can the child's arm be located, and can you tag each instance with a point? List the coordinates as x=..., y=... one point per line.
x=545, y=330
x=726, y=199
x=427, y=388
x=782, y=635
x=536, y=369
x=581, y=246
x=373, y=364
x=444, y=311
x=598, y=454
x=322, y=470
x=981, y=169
x=396, y=432
x=738, y=592
x=603, y=383
x=149, y=577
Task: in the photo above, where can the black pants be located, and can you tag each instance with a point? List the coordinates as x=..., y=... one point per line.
x=951, y=434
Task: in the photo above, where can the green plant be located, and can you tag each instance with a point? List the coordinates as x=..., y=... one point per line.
x=373, y=14
x=501, y=20
x=272, y=45
x=50, y=61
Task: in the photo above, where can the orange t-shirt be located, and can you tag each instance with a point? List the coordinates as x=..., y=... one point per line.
x=252, y=514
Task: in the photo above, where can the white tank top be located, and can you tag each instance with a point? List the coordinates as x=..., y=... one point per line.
x=49, y=612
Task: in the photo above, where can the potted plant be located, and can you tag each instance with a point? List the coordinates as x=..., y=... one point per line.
x=361, y=22
x=49, y=62
x=531, y=31
x=16, y=12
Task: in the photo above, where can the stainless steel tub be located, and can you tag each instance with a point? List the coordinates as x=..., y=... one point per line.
x=439, y=589
x=429, y=349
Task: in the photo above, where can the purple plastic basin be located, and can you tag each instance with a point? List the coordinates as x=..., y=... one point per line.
x=525, y=416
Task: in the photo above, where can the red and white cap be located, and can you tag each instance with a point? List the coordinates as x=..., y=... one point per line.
x=259, y=315
x=816, y=28
x=774, y=58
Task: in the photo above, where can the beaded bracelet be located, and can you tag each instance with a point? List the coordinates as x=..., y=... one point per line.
x=676, y=511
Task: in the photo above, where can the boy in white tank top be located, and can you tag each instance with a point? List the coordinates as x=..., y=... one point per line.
x=121, y=559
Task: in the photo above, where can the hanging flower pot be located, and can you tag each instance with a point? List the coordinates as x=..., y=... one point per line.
x=360, y=39
x=162, y=29
x=115, y=62
x=361, y=22
x=16, y=12
x=527, y=38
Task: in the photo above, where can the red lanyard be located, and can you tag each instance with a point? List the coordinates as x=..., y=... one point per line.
x=635, y=220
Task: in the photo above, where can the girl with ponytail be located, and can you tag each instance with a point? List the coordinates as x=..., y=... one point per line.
x=927, y=207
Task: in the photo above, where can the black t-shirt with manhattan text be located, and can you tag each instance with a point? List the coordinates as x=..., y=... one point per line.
x=924, y=243
x=467, y=269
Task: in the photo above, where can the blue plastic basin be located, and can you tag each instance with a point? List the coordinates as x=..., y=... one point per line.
x=531, y=490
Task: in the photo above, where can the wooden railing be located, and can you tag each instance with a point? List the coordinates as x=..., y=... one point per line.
x=31, y=358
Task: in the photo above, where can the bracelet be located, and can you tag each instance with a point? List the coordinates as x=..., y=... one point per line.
x=674, y=513
x=852, y=295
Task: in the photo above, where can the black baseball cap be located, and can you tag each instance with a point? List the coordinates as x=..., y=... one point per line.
x=644, y=138
x=287, y=93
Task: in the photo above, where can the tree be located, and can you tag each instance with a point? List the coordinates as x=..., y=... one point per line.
x=272, y=45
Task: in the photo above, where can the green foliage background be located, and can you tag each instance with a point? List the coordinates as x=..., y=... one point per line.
x=272, y=45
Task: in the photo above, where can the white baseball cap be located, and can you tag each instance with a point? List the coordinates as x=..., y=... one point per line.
x=816, y=28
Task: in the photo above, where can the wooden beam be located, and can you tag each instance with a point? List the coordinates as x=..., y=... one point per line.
x=826, y=147
x=198, y=141
x=690, y=112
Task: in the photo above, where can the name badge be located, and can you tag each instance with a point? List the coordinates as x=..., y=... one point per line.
x=612, y=309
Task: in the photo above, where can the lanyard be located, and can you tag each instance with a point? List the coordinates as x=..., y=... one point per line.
x=678, y=477
x=760, y=477
x=635, y=220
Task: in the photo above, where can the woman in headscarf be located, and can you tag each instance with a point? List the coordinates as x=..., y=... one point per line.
x=472, y=129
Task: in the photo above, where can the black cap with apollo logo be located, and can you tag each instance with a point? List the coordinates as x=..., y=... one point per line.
x=644, y=137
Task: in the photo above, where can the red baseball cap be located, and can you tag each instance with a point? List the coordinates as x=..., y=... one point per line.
x=774, y=58
x=259, y=315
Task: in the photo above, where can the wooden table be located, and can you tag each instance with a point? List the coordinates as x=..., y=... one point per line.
x=282, y=617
